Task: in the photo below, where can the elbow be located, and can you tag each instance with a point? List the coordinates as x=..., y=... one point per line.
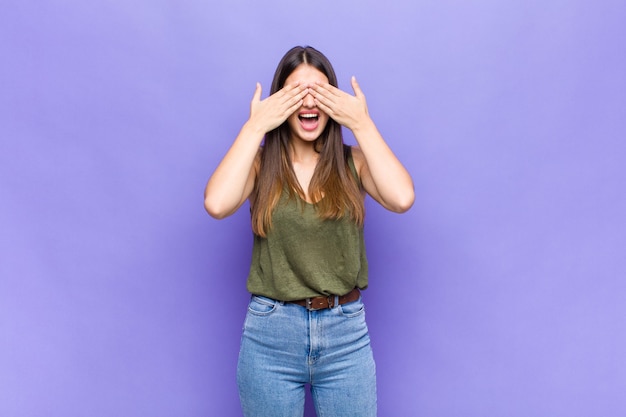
x=404, y=206
x=215, y=210
x=403, y=202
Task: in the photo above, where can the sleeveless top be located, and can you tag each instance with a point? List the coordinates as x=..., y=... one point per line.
x=304, y=256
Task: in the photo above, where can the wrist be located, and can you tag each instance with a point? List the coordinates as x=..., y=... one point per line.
x=254, y=128
x=363, y=126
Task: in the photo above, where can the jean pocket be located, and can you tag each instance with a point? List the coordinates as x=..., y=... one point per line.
x=353, y=309
x=262, y=306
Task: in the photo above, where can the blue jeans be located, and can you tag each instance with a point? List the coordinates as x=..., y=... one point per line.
x=284, y=346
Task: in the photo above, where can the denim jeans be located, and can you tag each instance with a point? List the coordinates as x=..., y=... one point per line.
x=285, y=346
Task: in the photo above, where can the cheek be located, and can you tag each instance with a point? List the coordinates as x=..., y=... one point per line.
x=293, y=120
x=324, y=119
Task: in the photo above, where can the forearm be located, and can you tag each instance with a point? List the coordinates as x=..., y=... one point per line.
x=233, y=179
x=382, y=174
x=388, y=180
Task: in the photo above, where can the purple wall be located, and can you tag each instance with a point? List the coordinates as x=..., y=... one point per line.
x=501, y=293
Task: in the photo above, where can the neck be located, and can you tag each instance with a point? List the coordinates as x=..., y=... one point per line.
x=301, y=151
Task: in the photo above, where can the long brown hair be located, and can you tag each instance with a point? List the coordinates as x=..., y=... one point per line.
x=333, y=188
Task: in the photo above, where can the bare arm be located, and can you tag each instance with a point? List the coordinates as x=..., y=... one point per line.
x=233, y=179
x=383, y=176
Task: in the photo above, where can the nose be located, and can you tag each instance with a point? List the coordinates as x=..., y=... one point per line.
x=308, y=101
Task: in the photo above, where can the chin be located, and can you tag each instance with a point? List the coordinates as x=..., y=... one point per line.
x=308, y=136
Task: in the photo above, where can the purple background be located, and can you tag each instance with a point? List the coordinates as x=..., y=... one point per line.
x=501, y=293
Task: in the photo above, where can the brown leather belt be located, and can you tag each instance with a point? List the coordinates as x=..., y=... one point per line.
x=320, y=303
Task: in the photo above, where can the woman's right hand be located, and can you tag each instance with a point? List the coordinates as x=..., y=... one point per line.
x=271, y=112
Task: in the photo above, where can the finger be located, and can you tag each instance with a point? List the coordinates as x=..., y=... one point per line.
x=296, y=100
x=294, y=94
x=325, y=96
x=293, y=91
x=327, y=89
x=290, y=110
x=290, y=98
x=324, y=106
x=292, y=88
x=257, y=93
x=355, y=86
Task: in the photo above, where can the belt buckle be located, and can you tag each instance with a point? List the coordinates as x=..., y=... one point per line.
x=330, y=300
x=309, y=305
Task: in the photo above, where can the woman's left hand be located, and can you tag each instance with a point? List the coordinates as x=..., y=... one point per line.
x=346, y=109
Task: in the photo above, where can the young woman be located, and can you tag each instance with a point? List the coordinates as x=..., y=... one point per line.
x=306, y=322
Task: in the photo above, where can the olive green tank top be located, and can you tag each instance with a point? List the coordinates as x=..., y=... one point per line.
x=305, y=256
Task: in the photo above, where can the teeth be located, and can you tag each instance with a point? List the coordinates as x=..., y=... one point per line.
x=308, y=116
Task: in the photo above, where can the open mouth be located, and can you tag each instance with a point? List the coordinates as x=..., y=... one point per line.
x=309, y=121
